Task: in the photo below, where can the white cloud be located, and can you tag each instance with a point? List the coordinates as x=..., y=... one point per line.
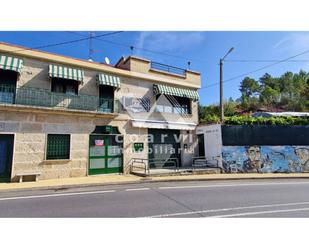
x=169, y=41
x=294, y=42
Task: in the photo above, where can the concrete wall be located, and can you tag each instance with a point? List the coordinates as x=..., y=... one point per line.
x=264, y=159
x=212, y=141
x=141, y=65
x=192, y=79
x=259, y=158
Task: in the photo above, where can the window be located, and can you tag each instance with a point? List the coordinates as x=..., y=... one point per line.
x=182, y=105
x=8, y=81
x=173, y=104
x=69, y=87
x=136, y=104
x=58, y=146
x=106, y=95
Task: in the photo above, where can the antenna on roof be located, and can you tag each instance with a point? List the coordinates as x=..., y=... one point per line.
x=132, y=48
x=91, y=35
x=189, y=65
x=107, y=61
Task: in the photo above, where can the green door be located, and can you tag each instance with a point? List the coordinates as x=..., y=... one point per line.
x=105, y=154
x=6, y=155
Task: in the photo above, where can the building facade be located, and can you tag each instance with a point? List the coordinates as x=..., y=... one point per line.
x=66, y=117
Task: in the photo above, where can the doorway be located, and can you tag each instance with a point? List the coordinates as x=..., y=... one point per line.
x=106, y=98
x=105, y=154
x=6, y=156
x=201, y=145
x=165, y=146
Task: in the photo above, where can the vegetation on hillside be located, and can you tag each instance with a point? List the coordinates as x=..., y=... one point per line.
x=289, y=92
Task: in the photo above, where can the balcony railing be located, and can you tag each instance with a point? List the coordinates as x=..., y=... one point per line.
x=41, y=97
x=167, y=68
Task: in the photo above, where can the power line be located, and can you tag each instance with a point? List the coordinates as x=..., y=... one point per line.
x=142, y=49
x=258, y=69
x=304, y=60
x=68, y=42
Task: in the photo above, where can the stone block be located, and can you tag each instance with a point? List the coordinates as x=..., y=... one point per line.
x=31, y=127
x=78, y=172
x=31, y=158
x=11, y=127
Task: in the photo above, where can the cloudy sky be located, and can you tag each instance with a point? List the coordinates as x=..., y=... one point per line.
x=203, y=49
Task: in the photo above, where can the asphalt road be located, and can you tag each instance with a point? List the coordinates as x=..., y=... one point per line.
x=250, y=198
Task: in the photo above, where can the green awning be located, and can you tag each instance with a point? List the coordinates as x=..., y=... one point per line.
x=108, y=80
x=11, y=63
x=175, y=91
x=66, y=73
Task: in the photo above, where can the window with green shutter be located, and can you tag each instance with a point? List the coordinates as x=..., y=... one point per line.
x=58, y=146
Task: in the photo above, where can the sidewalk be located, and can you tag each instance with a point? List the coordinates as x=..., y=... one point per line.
x=103, y=180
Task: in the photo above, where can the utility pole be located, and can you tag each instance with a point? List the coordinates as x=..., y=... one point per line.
x=221, y=93
x=221, y=86
x=91, y=34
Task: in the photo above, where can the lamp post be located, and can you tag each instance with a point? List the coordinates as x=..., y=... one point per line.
x=221, y=85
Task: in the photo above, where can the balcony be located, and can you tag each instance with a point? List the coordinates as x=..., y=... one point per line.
x=178, y=109
x=167, y=68
x=39, y=97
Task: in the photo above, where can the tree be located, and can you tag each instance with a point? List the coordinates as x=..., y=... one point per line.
x=286, y=84
x=269, y=96
x=249, y=87
x=304, y=96
x=268, y=80
x=289, y=92
x=270, y=90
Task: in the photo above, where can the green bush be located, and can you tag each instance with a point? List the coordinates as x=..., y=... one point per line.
x=210, y=119
x=247, y=120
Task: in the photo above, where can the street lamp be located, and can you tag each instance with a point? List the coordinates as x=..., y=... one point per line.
x=221, y=85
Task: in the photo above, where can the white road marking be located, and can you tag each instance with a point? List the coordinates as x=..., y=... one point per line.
x=162, y=188
x=233, y=185
x=260, y=212
x=55, y=195
x=227, y=209
x=136, y=189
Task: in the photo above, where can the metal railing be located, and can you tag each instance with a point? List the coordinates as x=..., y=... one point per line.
x=150, y=164
x=140, y=161
x=167, y=68
x=203, y=162
x=31, y=96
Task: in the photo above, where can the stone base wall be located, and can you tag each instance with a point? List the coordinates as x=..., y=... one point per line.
x=31, y=129
x=29, y=155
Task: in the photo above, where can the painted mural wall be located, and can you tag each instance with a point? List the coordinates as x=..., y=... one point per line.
x=265, y=159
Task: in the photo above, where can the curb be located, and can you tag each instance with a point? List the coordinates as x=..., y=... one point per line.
x=151, y=180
